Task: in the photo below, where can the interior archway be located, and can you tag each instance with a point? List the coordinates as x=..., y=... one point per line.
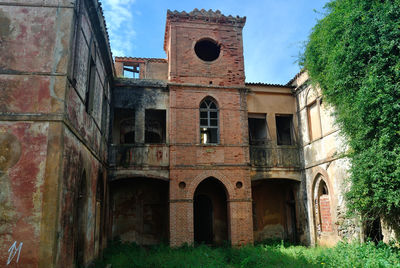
x=210, y=212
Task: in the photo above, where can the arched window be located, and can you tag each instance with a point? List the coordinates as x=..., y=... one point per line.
x=209, y=131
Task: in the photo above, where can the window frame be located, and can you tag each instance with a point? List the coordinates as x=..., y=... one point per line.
x=209, y=126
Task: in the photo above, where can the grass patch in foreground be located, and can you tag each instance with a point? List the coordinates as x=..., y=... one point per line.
x=124, y=255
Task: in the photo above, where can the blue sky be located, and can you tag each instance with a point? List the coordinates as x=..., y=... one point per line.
x=273, y=36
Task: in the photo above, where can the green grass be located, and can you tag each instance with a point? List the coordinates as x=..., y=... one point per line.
x=123, y=255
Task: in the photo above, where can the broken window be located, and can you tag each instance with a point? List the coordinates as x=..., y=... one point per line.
x=284, y=129
x=132, y=70
x=155, y=126
x=124, y=124
x=209, y=130
x=258, y=129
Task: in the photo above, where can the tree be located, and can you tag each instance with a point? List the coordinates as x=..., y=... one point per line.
x=353, y=54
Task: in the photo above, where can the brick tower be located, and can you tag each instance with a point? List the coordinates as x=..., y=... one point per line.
x=210, y=187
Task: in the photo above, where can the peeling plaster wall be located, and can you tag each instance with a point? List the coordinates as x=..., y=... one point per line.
x=35, y=46
x=272, y=213
x=321, y=156
x=85, y=138
x=41, y=122
x=76, y=161
x=23, y=151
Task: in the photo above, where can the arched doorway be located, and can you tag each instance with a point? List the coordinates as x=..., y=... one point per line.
x=98, y=230
x=210, y=212
x=322, y=209
x=80, y=223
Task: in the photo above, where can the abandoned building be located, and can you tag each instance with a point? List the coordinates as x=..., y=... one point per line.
x=176, y=150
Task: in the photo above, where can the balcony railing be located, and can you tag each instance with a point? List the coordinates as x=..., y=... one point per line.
x=270, y=157
x=123, y=155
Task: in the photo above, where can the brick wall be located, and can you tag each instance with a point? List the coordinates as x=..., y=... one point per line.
x=186, y=67
x=325, y=210
x=192, y=162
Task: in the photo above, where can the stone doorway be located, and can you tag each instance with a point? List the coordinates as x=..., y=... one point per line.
x=210, y=212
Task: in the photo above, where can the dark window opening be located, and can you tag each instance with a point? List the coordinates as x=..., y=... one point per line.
x=124, y=124
x=155, y=126
x=207, y=49
x=258, y=130
x=90, y=86
x=284, y=129
x=209, y=130
x=373, y=230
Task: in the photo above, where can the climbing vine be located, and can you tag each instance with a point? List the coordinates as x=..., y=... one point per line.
x=353, y=54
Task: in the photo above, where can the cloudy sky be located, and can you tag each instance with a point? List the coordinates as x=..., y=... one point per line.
x=273, y=36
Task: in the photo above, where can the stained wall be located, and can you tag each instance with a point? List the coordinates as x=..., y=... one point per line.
x=322, y=157
x=47, y=137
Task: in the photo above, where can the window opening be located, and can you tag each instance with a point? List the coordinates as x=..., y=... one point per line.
x=132, y=71
x=284, y=129
x=124, y=124
x=155, y=126
x=91, y=78
x=90, y=87
x=314, y=121
x=208, y=122
x=258, y=129
x=207, y=49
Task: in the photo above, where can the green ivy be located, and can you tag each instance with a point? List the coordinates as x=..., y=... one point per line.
x=353, y=54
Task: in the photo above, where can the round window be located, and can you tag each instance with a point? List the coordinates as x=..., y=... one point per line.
x=207, y=49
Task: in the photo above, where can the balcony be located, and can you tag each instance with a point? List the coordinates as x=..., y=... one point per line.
x=133, y=155
x=274, y=157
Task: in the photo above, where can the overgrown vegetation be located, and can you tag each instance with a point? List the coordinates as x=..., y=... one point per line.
x=353, y=54
x=262, y=255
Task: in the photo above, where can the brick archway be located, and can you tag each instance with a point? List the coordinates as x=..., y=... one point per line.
x=206, y=174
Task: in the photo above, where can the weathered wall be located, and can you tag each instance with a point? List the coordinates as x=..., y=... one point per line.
x=35, y=45
x=275, y=210
x=322, y=147
x=23, y=164
x=139, y=159
x=78, y=164
x=81, y=226
x=140, y=210
x=271, y=160
x=42, y=120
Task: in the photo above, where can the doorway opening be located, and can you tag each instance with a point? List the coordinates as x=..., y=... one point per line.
x=210, y=212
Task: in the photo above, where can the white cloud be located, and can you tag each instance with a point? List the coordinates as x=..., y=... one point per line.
x=119, y=20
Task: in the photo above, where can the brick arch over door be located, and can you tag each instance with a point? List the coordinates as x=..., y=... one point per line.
x=206, y=174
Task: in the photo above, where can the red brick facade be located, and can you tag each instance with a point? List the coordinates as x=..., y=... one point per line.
x=190, y=161
x=182, y=33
